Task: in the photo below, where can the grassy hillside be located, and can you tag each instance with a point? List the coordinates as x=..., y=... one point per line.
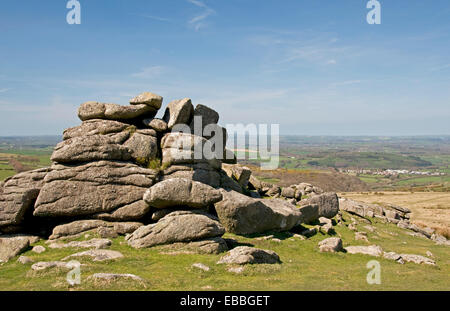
x=303, y=267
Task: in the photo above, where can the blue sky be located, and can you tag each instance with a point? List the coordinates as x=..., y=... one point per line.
x=314, y=67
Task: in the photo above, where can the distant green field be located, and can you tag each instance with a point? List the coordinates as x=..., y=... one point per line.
x=28, y=158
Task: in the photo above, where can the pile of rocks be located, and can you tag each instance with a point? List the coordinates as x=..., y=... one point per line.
x=390, y=213
x=125, y=172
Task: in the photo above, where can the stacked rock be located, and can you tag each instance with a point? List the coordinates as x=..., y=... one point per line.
x=166, y=180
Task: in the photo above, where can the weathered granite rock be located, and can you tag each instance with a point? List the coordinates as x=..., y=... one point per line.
x=178, y=112
x=148, y=99
x=183, y=148
x=11, y=246
x=38, y=249
x=179, y=226
x=418, y=259
x=244, y=215
x=215, y=245
x=114, y=277
x=92, y=148
x=328, y=204
x=201, y=172
x=205, y=116
x=44, y=265
x=239, y=173
x=393, y=256
x=143, y=148
x=181, y=192
x=98, y=254
x=372, y=250
x=96, y=110
x=92, y=243
x=243, y=255
x=288, y=192
x=95, y=187
x=158, y=125
x=360, y=208
x=331, y=245
x=24, y=260
x=76, y=227
x=18, y=195
x=96, y=127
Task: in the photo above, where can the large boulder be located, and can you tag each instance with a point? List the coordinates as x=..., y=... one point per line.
x=243, y=255
x=178, y=226
x=156, y=124
x=95, y=127
x=328, y=204
x=93, y=188
x=13, y=245
x=181, y=192
x=244, y=215
x=96, y=110
x=178, y=112
x=18, y=195
x=92, y=148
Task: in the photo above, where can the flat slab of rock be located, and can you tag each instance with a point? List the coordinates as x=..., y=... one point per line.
x=98, y=254
x=115, y=276
x=179, y=226
x=18, y=194
x=95, y=127
x=201, y=172
x=371, y=250
x=92, y=148
x=92, y=243
x=96, y=110
x=200, y=266
x=44, y=265
x=244, y=215
x=331, y=245
x=99, y=187
x=215, y=245
x=181, y=192
x=243, y=255
x=79, y=226
x=418, y=259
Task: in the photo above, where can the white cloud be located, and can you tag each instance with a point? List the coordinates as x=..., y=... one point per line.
x=149, y=72
x=197, y=22
x=4, y=90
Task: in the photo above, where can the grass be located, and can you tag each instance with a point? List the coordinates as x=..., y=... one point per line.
x=303, y=267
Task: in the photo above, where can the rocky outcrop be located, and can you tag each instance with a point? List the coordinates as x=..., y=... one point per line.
x=331, y=245
x=244, y=215
x=178, y=112
x=13, y=245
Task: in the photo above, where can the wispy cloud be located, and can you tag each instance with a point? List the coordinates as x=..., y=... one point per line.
x=149, y=72
x=349, y=82
x=156, y=18
x=4, y=90
x=198, y=21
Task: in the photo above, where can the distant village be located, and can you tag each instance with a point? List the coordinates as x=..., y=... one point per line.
x=389, y=172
